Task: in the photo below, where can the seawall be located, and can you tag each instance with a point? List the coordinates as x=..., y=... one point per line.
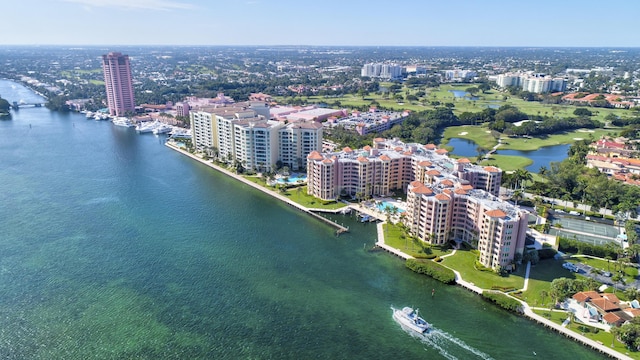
x=340, y=228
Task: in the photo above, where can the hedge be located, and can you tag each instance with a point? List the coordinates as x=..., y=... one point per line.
x=432, y=269
x=503, y=301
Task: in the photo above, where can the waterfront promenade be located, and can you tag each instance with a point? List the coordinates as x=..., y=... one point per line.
x=310, y=211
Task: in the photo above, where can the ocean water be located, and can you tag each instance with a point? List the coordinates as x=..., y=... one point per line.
x=113, y=246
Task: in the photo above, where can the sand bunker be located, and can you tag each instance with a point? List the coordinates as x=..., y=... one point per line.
x=578, y=139
x=463, y=133
x=585, y=130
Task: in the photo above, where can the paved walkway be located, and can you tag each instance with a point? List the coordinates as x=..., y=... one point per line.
x=257, y=187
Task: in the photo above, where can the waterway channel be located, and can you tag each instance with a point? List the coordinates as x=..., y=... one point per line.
x=115, y=246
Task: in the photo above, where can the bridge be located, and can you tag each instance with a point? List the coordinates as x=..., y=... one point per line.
x=15, y=105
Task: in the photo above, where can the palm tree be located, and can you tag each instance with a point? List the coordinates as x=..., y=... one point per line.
x=543, y=295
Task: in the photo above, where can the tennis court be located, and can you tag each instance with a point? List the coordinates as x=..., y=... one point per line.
x=587, y=227
x=593, y=240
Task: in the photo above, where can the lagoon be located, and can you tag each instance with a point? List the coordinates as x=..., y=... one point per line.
x=544, y=156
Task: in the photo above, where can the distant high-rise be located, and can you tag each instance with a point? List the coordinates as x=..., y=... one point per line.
x=117, y=81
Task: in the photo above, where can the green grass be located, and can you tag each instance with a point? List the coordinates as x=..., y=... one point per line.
x=476, y=133
x=395, y=237
x=97, y=82
x=300, y=196
x=508, y=162
x=464, y=262
x=540, y=278
x=442, y=94
x=602, y=337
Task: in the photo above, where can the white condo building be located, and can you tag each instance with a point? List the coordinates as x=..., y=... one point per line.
x=383, y=71
x=535, y=83
x=240, y=134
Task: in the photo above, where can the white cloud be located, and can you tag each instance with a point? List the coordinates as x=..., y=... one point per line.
x=136, y=4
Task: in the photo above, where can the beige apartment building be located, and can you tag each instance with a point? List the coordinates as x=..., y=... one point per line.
x=447, y=199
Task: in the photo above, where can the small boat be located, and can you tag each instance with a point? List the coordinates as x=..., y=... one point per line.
x=365, y=218
x=89, y=115
x=408, y=318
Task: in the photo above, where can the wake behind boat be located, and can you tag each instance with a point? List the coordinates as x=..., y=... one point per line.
x=408, y=318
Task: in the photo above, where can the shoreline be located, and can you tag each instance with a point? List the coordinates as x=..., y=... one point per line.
x=309, y=211
x=528, y=312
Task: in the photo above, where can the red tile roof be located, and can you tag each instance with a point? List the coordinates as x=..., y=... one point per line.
x=314, y=155
x=347, y=149
x=446, y=182
x=430, y=146
x=385, y=158
x=496, y=213
x=605, y=304
x=425, y=163
x=464, y=161
x=422, y=190
x=442, y=197
x=491, y=169
x=611, y=318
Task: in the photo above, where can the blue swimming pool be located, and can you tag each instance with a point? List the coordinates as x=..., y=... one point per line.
x=293, y=179
x=384, y=205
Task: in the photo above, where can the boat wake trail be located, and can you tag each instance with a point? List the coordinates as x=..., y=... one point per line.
x=449, y=346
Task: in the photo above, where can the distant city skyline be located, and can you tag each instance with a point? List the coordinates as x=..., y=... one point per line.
x=545, y=23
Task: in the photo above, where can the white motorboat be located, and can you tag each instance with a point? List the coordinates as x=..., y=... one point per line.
x=163, y=129
x=123, y=121
x=146, y=127
x=89, y=115
x=408, y=318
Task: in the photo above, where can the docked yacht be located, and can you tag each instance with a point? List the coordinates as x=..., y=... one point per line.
x=146, y=127
x=408, y=318
x=162, y=129
x=123, y=121
x=89, y=115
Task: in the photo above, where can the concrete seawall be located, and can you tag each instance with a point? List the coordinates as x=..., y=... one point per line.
x=240, y=178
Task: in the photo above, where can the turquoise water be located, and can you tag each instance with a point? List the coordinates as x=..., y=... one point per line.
x=115, y=247
x=293, y=179
x=384, y=205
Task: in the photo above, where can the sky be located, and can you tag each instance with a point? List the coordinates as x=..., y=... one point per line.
x=543, y=23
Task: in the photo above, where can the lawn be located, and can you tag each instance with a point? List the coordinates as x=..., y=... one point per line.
x=395, y=237
x=540, y=278
x=299, y=195
x=601, y=336
x=464, y=262
x=476, y=133
x=442, y=94
x=508, y=162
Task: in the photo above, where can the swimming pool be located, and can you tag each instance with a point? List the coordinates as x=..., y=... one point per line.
x=293, y=179
x=384, y=205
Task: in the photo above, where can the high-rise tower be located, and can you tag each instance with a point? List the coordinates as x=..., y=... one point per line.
x=117, y=81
